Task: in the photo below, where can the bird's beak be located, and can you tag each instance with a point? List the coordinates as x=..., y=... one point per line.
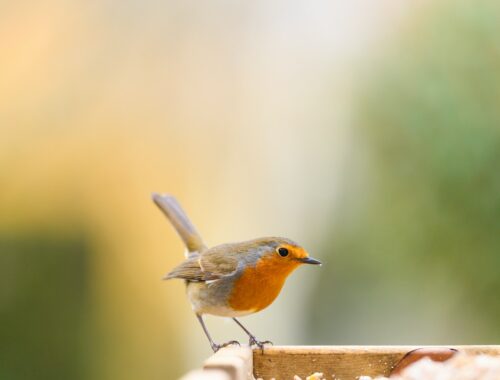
x=309, y=260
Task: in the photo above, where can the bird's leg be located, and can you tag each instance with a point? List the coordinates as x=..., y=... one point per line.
x=215, y=347
x=253, y=339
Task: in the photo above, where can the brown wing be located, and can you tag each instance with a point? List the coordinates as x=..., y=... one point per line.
x=218, y=262
x=188, y=270
x=209, y=266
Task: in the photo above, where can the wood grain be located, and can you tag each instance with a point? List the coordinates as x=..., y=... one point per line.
x=339, y=362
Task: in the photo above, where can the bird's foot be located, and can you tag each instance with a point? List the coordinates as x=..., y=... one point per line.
x=255, y=342
x=216, y=347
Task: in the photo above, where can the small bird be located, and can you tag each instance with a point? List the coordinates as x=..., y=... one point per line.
x=231, y=280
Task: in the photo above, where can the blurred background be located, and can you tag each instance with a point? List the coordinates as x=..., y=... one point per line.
x=367, y=131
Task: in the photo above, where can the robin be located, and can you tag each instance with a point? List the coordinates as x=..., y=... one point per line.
x=231, y=280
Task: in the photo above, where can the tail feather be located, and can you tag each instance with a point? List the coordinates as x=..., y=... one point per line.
x=174, y=212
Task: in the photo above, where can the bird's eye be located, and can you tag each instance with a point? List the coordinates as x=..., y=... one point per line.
x=283, y=252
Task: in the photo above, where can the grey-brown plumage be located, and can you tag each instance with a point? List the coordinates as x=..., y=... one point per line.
x=216, y=263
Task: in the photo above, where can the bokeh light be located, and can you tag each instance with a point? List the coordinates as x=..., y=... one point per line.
x=366, y=131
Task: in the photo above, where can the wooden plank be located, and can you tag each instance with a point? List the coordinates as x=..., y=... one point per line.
x=237, y=362
x=339, y=362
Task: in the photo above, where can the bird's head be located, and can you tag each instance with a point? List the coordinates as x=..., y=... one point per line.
x=282, y=254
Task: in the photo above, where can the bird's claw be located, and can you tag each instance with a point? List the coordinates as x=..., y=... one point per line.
x=216, y=347
x=230, y=343
x=255, y=342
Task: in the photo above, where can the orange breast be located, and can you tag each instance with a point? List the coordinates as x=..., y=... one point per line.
x=258, y=286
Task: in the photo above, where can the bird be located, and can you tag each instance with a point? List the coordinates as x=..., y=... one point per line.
x=230, y=280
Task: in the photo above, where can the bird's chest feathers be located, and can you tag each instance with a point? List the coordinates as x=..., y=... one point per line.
x=258, y=286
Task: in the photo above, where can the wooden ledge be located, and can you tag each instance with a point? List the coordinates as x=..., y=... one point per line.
x=345, y=362
x=335, y=362
x=229, y=363
x=237, y=362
